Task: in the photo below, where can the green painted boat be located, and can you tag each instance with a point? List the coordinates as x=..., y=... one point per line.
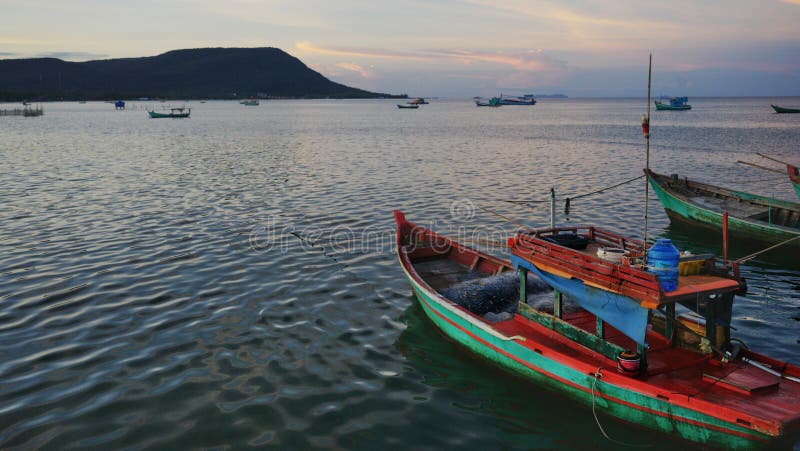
x=780, y=109
x=750, y=216
x=794, y=176
x=177, y=113
x=673, y=103
x=474, y=299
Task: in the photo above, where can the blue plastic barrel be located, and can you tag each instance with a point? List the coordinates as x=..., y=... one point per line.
x=662, y=260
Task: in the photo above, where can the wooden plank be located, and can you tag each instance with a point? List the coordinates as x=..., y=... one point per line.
x=746, y=379
x=567, y=330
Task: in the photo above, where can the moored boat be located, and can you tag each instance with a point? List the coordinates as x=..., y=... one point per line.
x=418, y=101
x=673, y=103
x=250, y=102
x=527, y=99
x=407, y=106
x=478, y=301
x=750, y=216
x=780, y=109
x=493, y=102
x=174, y=113
x=794, y=176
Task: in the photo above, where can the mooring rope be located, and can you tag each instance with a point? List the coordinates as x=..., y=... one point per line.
x=570, y=198
x=597, y=376
x=756, y=254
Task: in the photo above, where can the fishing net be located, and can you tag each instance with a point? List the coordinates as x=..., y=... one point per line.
x=494, y=294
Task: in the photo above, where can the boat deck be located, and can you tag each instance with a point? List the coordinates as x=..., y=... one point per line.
x=738, y=205
x=675, y=372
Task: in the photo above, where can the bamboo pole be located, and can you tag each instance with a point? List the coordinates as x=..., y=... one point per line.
x=646, y=122
x=773, y=159
x=760, y=167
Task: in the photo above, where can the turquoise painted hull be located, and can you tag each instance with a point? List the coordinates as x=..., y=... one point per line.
x=664, y=106
x=739, y=228
x=577, y=380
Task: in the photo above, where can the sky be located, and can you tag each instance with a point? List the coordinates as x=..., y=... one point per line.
x=449, y=48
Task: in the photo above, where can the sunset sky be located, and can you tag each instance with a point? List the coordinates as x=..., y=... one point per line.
x=455, y=48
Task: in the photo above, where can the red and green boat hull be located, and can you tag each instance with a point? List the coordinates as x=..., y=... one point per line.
x=794, y=176
x=576, y=380
x=740, y=228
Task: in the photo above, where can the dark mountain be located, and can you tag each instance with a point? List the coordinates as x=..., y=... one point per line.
x=211, y=73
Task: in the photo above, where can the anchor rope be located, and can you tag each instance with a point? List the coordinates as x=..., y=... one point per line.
x=597, y=376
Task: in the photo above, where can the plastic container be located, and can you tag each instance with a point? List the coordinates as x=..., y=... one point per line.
x=662, y=260
x=629, y=362
x=611, y=254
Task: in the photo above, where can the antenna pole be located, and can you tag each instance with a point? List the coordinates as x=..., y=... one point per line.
x=646, y=132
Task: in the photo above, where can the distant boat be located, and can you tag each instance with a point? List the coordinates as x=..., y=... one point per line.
x=174, y=113
x=780, y=109
x=400, y=105
x=493, y=102
x=527, y=99
x=119, y=105
x=418, y=101
x=252, y=102
x=675, y=103
x=750, y=216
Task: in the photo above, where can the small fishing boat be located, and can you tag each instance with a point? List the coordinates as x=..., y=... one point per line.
x=674, y=379
x=750, y=216
x=673, y=103
x=794, y=176
x=407, y=106
x=418, y=101
x=250, y=102
x=174, y=113
x=493, y=102
x=780, y=109
x=794, y=171
x=527, y=99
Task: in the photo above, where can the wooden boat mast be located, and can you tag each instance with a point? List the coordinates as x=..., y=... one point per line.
x=646, y=132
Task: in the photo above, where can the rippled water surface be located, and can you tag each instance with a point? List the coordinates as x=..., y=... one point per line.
x=230, y=279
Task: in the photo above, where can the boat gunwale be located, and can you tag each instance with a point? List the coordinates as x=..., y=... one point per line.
x=661, y=179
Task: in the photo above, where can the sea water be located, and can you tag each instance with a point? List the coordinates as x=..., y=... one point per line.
x=230, y=279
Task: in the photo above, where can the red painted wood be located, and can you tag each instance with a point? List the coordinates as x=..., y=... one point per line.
x=673, y=374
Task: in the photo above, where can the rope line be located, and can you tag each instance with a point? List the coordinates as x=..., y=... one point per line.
x=597, y=376
x=568, y=201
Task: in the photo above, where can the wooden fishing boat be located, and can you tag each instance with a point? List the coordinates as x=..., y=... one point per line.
x=418, y=101
x=527, y=100
x=250, y=102
x=673, y=103
x=407, y=106
x=794, y=176
x=780, y=109
x=493, y=102
x=174, y=113
x=750, y=216
x=677, y=389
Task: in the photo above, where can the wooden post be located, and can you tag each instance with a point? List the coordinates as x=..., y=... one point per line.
x=725, y=236
x=669, y=326
x=642, y=350
x=557, y=302
x=523, y=284
x=711, y=321
x=557, y=298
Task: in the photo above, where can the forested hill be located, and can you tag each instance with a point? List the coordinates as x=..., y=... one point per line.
x=209, y=73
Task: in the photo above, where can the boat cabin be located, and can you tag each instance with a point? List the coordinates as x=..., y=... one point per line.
x=605, y=274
